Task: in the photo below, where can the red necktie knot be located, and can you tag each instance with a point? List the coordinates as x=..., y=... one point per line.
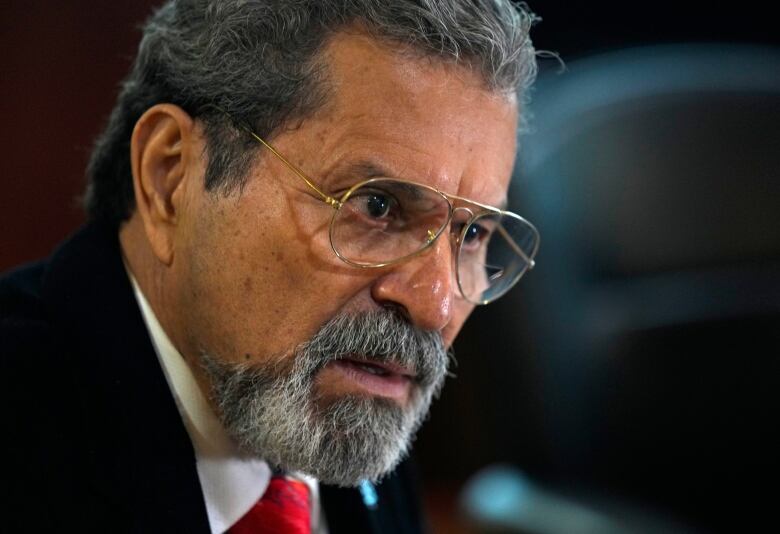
x=284, y=508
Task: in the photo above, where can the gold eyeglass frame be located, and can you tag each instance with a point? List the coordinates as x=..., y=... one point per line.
x=337, y=203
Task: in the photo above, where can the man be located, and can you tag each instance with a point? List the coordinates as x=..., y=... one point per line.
x=291, y=218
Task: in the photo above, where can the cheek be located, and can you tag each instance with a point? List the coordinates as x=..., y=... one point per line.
x=260, y=286
x=240, y=267
x=266, y=282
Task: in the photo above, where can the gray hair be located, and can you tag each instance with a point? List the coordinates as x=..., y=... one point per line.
x=258, y=60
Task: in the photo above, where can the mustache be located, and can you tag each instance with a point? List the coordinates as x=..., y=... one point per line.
x=381, y=336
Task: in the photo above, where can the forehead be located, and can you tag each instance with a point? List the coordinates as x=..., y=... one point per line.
x=421, y=118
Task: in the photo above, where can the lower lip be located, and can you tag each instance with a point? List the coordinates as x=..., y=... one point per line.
x=391, y=385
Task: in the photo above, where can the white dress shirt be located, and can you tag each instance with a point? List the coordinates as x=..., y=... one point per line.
x=232, y=482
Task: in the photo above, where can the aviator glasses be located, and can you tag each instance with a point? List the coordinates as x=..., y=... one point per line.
x=384, y=221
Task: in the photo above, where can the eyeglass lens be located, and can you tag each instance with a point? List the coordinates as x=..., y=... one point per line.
x=494, y=253
x=385, y=220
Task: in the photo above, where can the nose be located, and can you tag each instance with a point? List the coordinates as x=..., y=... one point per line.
x=421, y=287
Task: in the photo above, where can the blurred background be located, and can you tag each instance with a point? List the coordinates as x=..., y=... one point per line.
x=628, y=384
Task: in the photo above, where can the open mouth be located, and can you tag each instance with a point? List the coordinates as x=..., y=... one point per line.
x=355, y=375
x=379, y=369
x=371, y=368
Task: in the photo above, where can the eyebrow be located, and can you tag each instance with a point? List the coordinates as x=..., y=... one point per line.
x=366, y=169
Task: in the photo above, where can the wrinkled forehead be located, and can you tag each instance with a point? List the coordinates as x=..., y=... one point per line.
x=419, y=118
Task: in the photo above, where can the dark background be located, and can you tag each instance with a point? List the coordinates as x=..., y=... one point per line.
x=672, y=419
x=61, y=65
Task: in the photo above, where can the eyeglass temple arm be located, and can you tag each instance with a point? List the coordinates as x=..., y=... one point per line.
x=326, y=198
x=516, y=248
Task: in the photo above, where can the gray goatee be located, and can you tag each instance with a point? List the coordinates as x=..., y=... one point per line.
x=270, y=411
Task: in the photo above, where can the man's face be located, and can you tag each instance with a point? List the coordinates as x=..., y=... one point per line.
x=256, y=278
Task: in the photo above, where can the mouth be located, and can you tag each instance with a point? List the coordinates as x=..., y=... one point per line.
x=361, y=376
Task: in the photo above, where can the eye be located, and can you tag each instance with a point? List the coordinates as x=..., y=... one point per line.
x=473, y=233
x=377, y=204
x=476, y=236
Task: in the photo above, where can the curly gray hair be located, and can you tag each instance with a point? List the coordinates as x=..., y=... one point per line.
x=258, y=60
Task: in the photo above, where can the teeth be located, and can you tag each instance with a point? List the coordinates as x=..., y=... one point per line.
x=372, y=369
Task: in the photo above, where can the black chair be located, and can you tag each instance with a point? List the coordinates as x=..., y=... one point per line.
x=651, y=325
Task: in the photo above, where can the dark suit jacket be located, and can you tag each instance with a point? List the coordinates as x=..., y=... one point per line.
x=92, y=437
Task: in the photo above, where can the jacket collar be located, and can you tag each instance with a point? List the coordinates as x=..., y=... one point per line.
x=141, y=456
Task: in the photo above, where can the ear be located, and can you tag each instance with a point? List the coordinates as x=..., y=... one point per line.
x=162, y=149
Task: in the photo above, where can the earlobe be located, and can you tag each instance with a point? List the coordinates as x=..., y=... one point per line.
x=160, y=149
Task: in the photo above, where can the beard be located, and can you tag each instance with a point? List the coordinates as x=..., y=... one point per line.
x=272, y=412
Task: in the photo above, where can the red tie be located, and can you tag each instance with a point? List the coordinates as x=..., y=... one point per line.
x=283, y=509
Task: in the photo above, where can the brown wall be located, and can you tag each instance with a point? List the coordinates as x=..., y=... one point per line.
x=60, y=65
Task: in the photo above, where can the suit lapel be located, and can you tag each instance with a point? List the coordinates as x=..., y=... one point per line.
x=141, y=458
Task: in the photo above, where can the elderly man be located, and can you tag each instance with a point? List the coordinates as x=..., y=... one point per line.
x=293, y=210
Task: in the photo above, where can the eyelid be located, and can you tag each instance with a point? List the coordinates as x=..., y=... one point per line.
x=345, y=183
x=371, y=188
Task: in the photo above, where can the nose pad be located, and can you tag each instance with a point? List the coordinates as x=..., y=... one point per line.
x=423, y=287
x=461, y=216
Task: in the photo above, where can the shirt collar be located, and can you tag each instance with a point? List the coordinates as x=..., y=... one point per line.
x=231, y=482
